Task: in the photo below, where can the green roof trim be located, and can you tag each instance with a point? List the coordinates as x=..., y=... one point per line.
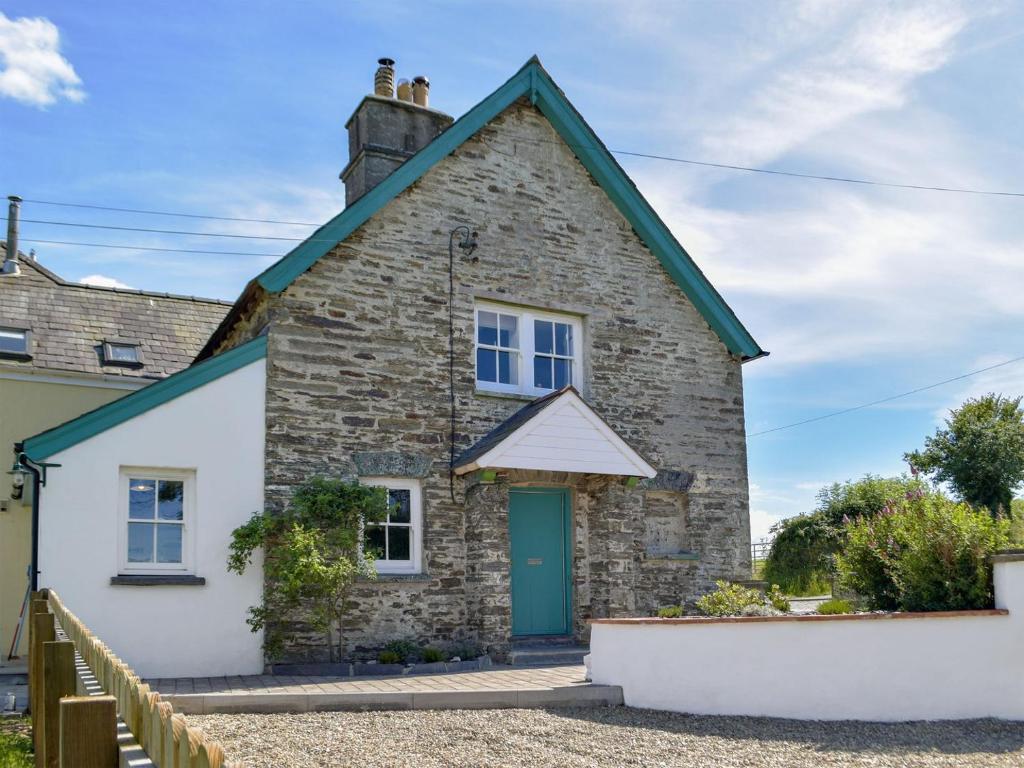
x=533, y=82
x=53, y=441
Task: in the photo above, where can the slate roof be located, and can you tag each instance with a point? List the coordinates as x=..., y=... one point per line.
x=70, y=321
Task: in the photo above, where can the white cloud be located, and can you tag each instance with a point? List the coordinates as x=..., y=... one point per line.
x=854, y=66
x=761, y=522
x=812, y=485
x=103, y=281
x=32, y=70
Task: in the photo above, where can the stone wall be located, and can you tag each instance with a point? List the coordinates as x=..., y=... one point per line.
x=358, y=361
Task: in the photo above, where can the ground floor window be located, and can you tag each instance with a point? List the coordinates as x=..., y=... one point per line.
x=397, y=540
x=157, y=516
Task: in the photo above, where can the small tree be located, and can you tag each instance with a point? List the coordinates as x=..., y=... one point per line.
x=313, y=554
x=980, y=453
x=800, y=558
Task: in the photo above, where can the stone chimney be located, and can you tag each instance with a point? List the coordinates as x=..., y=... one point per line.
x=385, y=131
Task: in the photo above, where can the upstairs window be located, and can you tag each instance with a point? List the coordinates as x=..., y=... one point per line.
x=124, y=353
x=397, y=541
x=526, y=351
x=14, y=343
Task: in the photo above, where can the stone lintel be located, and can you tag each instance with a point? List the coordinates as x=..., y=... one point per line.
x=392, y=464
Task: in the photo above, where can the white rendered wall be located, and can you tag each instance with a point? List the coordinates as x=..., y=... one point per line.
x=859, y=669
x=216, y=430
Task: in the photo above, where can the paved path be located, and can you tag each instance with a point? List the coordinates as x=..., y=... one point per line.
x=498, y=687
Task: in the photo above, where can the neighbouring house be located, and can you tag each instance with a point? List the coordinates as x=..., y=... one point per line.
x=499, y=329
x=67, y=348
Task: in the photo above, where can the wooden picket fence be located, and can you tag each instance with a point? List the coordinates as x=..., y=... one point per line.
x=74, y=731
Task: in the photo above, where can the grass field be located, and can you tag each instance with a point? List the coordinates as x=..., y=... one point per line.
x=16, y=743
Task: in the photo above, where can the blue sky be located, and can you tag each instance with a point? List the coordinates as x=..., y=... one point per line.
x=858, y=292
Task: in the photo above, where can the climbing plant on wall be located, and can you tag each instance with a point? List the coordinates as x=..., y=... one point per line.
x=313, y=554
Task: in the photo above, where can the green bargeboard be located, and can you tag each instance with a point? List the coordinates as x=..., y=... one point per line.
x=538, y=522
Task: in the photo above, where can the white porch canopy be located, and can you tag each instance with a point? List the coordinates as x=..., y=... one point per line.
x=559, y=432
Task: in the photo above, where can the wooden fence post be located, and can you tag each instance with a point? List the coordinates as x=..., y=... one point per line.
x=43, y=631
x=37, y=605
x=88, y=732
x=59, y=680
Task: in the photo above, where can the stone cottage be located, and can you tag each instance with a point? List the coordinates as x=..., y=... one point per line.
x=499, y=329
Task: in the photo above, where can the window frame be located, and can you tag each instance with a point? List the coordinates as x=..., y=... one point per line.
x=188, y=521
x=526, y=317
x=27, y=333
x=415, y=563
x=108, y=356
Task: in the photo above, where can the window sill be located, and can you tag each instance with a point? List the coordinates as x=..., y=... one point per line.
x=506, y=395
x=22, y=356
x=156, y=580
x=409, y=578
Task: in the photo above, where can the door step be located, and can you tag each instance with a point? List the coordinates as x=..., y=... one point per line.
x=548, y=654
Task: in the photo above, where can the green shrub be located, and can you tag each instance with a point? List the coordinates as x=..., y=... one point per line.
x=737, y=600
x=1017, y=523
x=801, y=555
x=407, y=651
x=313, y=554
x=866, y=566
x=776, y=599
x=432, y=655
x=835, y=606
x=465, y=651
x=923, y=553
x=670, y=612
x=389, y=657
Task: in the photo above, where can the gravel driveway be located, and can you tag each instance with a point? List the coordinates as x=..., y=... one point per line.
x=597, y=737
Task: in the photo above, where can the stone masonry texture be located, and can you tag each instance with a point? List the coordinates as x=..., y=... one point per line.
x=358, y=374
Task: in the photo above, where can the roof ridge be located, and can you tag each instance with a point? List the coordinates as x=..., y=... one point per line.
x=32, y=261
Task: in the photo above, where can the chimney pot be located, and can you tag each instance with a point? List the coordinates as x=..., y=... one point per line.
x=405, y=90
x=384, y=78
x=421, y=90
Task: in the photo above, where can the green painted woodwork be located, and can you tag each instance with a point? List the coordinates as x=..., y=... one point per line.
x=533, y=82
x=539, y=522
x=55, y=440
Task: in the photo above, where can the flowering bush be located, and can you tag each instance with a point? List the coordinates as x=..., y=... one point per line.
x=737, y=600
x=922, y=553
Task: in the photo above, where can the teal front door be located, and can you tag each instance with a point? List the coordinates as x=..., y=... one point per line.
x=538, y=524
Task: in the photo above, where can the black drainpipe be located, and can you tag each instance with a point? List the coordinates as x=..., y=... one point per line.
x=37, y=485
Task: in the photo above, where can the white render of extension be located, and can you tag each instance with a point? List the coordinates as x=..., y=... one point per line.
x=213, y=434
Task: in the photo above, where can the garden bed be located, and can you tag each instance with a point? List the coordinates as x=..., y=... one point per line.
x=367, y=669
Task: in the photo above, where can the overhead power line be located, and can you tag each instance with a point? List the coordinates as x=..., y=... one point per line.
x=168, y=231
x=842, y=179
x=623, y=152
x=887, y=399
x=791, y=174
x=172, y=213
x=150, y=248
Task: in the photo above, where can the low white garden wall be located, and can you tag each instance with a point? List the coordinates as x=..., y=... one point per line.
x=930, y=666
